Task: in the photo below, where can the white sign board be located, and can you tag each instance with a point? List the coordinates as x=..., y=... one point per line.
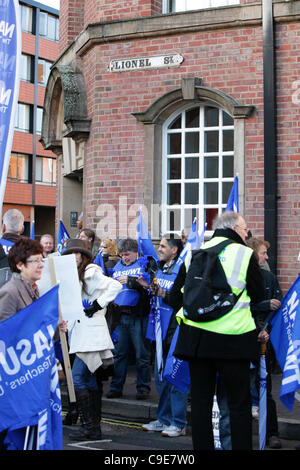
x=69, y=287
x=143, y=63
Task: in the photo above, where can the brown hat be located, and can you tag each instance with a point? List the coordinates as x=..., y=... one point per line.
x=75, y=245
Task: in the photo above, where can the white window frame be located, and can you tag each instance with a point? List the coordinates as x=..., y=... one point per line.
x=186, y=5
x=182, y=207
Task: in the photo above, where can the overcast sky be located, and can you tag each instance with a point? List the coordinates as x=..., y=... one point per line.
x=50, y=3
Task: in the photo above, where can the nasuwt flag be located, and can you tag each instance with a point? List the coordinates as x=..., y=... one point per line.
x=285, y=338
x=29, y=387
x=62, y=236
x=145, y=244
x=176, y=370
x=10, y=53
x=233, y=200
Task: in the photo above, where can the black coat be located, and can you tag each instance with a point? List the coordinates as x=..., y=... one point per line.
x=195, y=342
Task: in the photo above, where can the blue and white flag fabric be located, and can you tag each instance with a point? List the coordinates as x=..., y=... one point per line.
x=62, y=236
x=285, y=338
x=10, y=53
x=233, y=200
x=29, y=386
x=145, y=244
x=176, y=370
x=32, y=234
x=194, y=241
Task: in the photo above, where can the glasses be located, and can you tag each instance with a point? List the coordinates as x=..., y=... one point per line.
x=36, y=261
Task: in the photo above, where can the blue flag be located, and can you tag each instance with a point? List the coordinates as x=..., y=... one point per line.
x=10, y=53
x=62, y=236
x=176, y=370
x=233, y=200
x=285, y=337
x=32, y=235
x=194, y=241
x=100, y=262
x=29, y=387
x=145, y=244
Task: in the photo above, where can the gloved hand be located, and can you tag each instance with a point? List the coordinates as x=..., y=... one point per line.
x=89, y=311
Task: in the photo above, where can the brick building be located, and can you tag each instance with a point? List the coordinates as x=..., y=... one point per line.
x=156, y=105
x=31, y=183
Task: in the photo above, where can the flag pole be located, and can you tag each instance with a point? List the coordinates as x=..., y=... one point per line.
x=63, y=341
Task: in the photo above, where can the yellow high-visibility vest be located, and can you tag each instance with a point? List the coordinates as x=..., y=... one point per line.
x=235, y=260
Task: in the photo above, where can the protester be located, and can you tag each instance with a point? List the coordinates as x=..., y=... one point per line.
x=26, y=263
x=107, y=258
x=90, y=338
x=225, y=345
x=134, y=305
x=172, y=405
x=47, y=243
x=12, y=228
x=262, y=311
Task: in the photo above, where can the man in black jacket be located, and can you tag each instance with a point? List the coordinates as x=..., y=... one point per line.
x=261, y=312
x=225, y=346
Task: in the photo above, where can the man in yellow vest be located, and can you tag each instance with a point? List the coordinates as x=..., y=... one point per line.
x=224, y=347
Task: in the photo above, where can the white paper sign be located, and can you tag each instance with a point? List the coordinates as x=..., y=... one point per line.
x=69, y=287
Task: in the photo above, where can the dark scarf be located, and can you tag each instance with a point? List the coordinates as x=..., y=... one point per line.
x=32, y=289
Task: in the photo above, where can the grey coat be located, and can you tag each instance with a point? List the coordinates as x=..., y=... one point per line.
x=13, y=297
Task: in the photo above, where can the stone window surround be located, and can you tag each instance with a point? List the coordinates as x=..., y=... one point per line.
x=153, y=118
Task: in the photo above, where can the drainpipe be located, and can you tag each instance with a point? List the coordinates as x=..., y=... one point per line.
x=270, y=148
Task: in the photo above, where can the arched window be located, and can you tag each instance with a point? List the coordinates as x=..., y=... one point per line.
x=197, y=166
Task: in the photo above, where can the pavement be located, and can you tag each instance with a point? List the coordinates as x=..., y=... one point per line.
x=142, y=411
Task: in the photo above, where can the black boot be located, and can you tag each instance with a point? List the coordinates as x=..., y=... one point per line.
x=72, y=415
x=96, y=404
x=86, y=407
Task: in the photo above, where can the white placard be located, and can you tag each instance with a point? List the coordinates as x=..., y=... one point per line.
x=69, y=287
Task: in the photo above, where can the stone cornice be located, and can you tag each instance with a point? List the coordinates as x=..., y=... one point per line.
x=179, y=23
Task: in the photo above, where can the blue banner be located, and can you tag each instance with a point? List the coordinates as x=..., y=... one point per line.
x=10, y=53
x=176, y=370
x=233, y=200
x=194, y=242
x=62, y=236
x=285, y=337
x=32, y=234
x=29, y=386
x=145, y=244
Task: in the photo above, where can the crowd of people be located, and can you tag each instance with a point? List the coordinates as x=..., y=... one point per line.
x=122, y=291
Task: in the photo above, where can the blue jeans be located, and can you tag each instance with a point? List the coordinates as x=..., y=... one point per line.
x=82, y=377
x=132, y=329
x=172, y=403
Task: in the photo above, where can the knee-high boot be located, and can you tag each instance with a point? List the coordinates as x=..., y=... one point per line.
x=86, y=407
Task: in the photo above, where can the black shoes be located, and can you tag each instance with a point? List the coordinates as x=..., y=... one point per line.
x=114, y=394
x=142, y=394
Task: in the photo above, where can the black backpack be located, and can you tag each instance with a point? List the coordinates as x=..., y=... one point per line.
x=207, y=294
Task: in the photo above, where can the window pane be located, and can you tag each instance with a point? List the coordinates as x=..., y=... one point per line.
x=228, y=141
x=226, y=188
x=227, y=120
x=174, y=194
x=51, y=28
x=211, y=141
x=192, y=142
x=173, y=220
x=176, y=124
x=191, y=193
x=211, y=116
x=209, y=217
x=39, y=118
x=211, y=167
x=18, y=170
x=38, y=169
x=26, y=19
x=43, y=23
x=227, y=166
x=210, y=193
x=192, y=118
x=191, y=167
x=174, y=143
x=25, y=72
x=174, y=168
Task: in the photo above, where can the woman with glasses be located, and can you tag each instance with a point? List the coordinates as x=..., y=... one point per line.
x=25, y=260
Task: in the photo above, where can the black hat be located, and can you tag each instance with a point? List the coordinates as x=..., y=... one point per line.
x=75, y=245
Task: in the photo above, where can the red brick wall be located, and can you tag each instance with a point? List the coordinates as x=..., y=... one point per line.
x=71, y=16
x=228, y=60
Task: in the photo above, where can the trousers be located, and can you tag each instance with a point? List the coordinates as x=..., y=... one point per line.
x=235, y=377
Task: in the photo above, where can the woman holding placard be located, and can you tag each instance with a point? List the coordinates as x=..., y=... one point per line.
x=89, y=337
